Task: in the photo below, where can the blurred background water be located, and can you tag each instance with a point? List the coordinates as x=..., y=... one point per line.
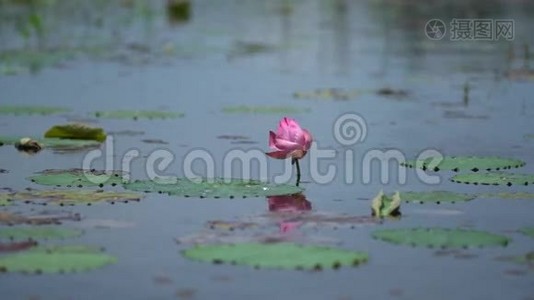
x=200, y=57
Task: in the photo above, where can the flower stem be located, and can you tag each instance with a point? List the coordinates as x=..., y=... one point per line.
x=296, y=162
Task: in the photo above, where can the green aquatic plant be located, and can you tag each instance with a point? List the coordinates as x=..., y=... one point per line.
x=436, y=197
x=277, y=255
x=246, y=109
x=510, y=196
x=52, y=143
x=31, y=110
x=527, y=231
x=465, y=163
x=329, y=94
x=76, y=131
x=137, y=114
x=440, y=237
x=384, y=206
x=494, y=178
x=56, y=259
x=77, y=177
x=216, y=188
x=71, y=197
x=38, y=233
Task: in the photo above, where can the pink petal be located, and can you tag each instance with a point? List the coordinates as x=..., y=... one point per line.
x=285, y=145
x=307, y=139
x=279, y=154
x=287, y=128
x=272, y=139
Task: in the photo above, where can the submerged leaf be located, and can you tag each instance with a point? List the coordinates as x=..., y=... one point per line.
x=465, y=163
x=69, y=197
x=440, y=237
x=527, y=231
x=436, y=197
x=17, y=246
x=494, y=178
x=31, y=110
x=56, y=259
x=277, y=255
x=217, y=188
x=244, y=109
x=77, y=177
x=138, y=114
x=38, y=233
x=77, y=132
x=328, y=94
x=44, y=218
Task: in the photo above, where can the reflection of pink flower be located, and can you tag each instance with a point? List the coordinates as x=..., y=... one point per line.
x=289, y=203
x=287, y=226
x=289, y=141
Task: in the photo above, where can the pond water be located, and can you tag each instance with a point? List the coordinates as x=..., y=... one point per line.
x=137, y=55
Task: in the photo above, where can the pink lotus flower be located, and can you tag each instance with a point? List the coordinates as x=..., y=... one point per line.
x=289, y=141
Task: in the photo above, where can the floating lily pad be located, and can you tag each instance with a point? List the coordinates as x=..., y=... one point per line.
x=384, y=206
x=230, y=225
x=137, y=114
x=38, y=233
x=244, y=109
x=511, y=196
x=436, y=197
x=44, y=218
x=216, y=189
x=77, y=178
x=440, y=237
x=277, y=255
x=17, y=246
x=58, y=259
x=328, y=94
x=53, y=143
x=466, y=163
x=494, y=178
x=395, y=93
x=527, y=231
x=70, y=197
x=76, y=131
x=31, y=110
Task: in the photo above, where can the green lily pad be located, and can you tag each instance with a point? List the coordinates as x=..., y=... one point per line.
x=440, y=237
x=76, y=131
x=216, y=189
x=511, y=196
x=466, y=163
x=77, y=178
x=31, y=110
x=138, y=114
x=38, y=233
x=8, y=218
x=245, y=109
x=384, y=206
x=494, y=178
x=277, y=255
x=53, y=143
x=328, y=94
x=436, y=197
x=70, y=197
x=527, y=231
x=56, y=259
